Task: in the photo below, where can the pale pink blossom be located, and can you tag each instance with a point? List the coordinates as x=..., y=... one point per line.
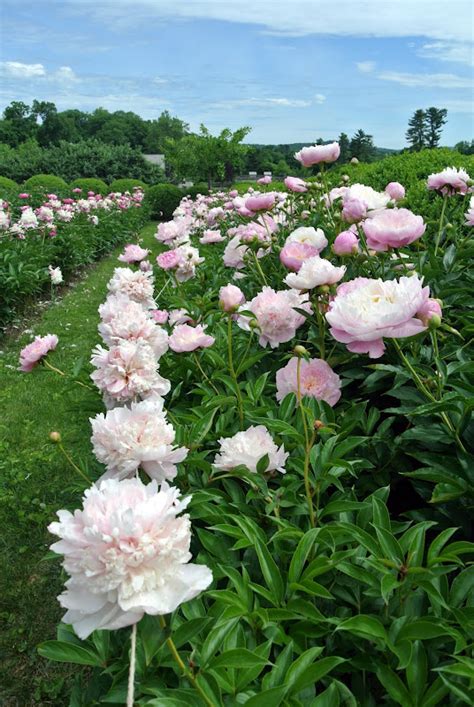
x=32, y=354
x=137, y=285
x=178, y=316
x=133, y=253
x=295, y=184
x=317, y=380
x=469, y=215
x=126, y=320
x=365, y=311
x=372, y=199
x=128, y=371
x=449, y=181
x=169, y=260
x=28, y=219
x=160, y=316
x=346, y=243
x=315, y=272
x=428, y=310
x=307, y=234
x=395, y=190
x=189, y=338
x=127, y=554
x=318, y=153
x=234, y=253
x=275, y=314
x=230, y=298
x=294, y=253
x=264, y=180
x=353, y=210
x=261, y=202
x=210, y=236
x=125, y=439
x=392, y=228
x=145, y=266
x=247, y=448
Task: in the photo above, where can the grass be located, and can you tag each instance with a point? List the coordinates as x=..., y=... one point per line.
x=36, y=480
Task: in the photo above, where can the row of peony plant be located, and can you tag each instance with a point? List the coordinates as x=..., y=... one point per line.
x=345, y=283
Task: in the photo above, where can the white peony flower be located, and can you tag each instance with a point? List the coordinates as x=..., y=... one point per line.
x=248, y=448
x=314, y=272
x=126, y=320
x=311, y=236
x=136, y=284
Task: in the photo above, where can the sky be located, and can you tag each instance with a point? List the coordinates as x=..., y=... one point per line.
x=292, y=70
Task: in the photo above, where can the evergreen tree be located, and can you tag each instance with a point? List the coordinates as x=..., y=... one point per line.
x=345, y=146
x=416, y=133
x=435, y=119
x=362, y=146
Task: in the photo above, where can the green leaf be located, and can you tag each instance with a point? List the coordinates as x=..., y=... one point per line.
x=262, y=464
x=65, y=652
x=187, y=631
x=237, y=658
x=366, y=626
x=151, y=635
x=417, y=672
x=394, y=686
x=298, y=667
x=270, y=571
x=215, y=638
x=301, y=554
x=268, y=698
x=435, y=693
x=315, y=672
x=462, y=585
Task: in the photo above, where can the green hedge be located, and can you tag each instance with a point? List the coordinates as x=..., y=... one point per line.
x=8, y=188
x=200, y=188
x=98, y=186
x=123, y=185
x=47, y=184
x=162, y=200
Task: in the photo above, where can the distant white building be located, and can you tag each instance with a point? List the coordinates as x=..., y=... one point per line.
x=159, y=160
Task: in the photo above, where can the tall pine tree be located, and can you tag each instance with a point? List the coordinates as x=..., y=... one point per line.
x=435, y=119
x=416, y=133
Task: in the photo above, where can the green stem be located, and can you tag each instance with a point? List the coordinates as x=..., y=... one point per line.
x=308, y=444
x=259, y=269
x=73, y=464
x=441, y=223
x=61, y=373
x=203, y=373
x=434, y=341
x=244, y=357
x=232, y=370
x=320, y=321
x=187, y=673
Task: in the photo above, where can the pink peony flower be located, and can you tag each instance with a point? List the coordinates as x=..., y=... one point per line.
x=125, y=439
x=23, y=195
x=261, y=202
x=127, y=554
x=294, y=253
x=211, y=237
x=317, y=380
x=233, y=193
x=275, y=315
x=230, y=298
x=470, y=213
x=307, y=234
x=178, y=316
x=353, y=210
x=247, y=448
x=264, y=180
x=318, y=153
x=133, y=253
x=392, y=228
x=126, y=320
x=346, y=243
x=32, y=354
x=449, y=181
x=365, y=311
x=128, y=371
x=169, y=260
x=295, y=184
x=428, y=310
x=160, y=316
x=315, y=272
x=189, y=338
x=135, y=284
x=395, y=190
x=146, y=266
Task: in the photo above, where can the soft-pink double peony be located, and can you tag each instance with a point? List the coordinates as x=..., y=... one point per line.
x=32, y=354
x=393, y=228
x=230, y=298
x=317, y=380
x=275, y=314
x=189, y=338
x=345, y=243
x=127, y=554
x=247, y=448
x=315, y=272
x=318, y=153
x=295, y=184
x=365, y=311
x=261, y=202
x=294, y=253
x=133, y=253
x=450, y=181
x=395, y=190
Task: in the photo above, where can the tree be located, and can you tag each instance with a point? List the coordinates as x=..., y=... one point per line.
x=416, y=133
x=362, y=146
x=435, y=119
x=465, y=147
x=20, y=123
x=166, y=127
x=345, y=146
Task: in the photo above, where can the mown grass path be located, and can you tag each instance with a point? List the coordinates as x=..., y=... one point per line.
x=35, y=481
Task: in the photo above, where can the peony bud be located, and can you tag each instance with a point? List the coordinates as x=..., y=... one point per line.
x=55, y=437
x=230, y=298
x=300, y=351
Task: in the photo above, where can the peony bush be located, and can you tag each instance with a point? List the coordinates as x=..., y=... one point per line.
x=292, y=369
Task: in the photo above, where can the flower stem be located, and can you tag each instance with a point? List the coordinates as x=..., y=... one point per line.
x=259, y=269
x=320, y=320
x=308, y=444
x=203, y=373
x=232, y=370
x=131, y=670
x=441, y=223
x=73, y=464
x=187, y=673
x=61, y=373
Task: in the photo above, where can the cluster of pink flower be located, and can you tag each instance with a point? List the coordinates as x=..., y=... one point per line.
x=56, y=211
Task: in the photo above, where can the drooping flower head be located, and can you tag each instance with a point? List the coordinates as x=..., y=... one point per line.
x=295, y=184
x=189, y=338
x=125, y=439
x=317, y=380
x=261, y=202
x=365, y=311
x=346, y=243
x=247, y=448
x=127, y=554
x=275, y=314
x=32, y=354
x=55, y=274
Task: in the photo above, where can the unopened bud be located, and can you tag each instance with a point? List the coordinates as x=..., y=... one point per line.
x=253, y=324
x=300, y=351
x=318, y=424
x=434, y=322
x=323, y=289
x=449, y=227
x=55, y=437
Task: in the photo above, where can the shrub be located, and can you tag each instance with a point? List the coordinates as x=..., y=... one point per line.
x=200, y=188
x=98, y=186
x=8, y=188
x=46, y=183
x=163, y=199
x=123, y=185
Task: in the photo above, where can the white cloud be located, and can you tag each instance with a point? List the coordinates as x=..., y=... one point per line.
x=436, y=19
x=64, y=73
x=365, y=67
x=264, y=103
x=459, y=106
x=461, y=52
x=159, y=80
x=17, y=70
x=319, y=98
x=426, y=80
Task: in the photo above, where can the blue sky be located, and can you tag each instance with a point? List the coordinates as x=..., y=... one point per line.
x=293, y=70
